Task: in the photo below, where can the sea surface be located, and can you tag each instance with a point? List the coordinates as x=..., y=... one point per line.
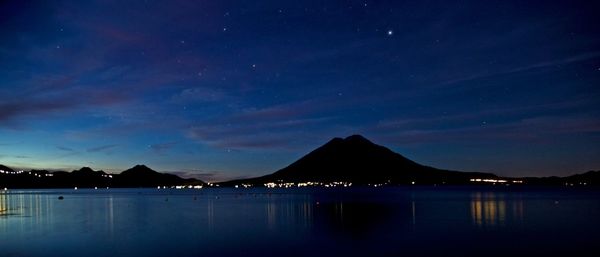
x=387, y=221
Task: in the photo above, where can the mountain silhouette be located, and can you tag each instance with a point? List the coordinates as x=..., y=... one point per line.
x=87, y=171
x=142, y=176
x=84, y=177
x=590, y=178
x=138, y=176
x=356, y=159
x=6, y=169
x=352, y=159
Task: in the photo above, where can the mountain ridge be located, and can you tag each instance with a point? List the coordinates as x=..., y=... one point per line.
x=86, y=177
x=357, y=160
x=353, y=159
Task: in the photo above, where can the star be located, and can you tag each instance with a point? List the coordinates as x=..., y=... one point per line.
x=225, y=29
x=390, y=32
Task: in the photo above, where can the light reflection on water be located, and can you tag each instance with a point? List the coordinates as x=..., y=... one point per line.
x=489, y=209
x=357, y=222
x=280, y=213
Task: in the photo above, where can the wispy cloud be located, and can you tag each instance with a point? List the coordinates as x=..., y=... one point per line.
x=525, y=68
x=56, y=103
x=11, y=110
x=267, y=134
x=534, y=129
x=15, y=156
x=101, y=148
x=64, y=148
x=206, y=176
x=162, y=148
x=198, y=95
x=479, y=116
x=271, y=127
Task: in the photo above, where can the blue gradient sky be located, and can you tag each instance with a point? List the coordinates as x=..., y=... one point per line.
x=227, y=89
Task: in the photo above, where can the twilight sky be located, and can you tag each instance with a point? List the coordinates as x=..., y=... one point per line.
x=226, y=89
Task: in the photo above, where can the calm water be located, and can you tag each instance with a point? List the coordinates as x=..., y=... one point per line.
x=412, y=221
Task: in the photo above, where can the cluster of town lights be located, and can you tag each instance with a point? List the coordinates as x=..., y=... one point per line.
x=487, y=180
x=39, y=175
x=305, y=184
x=180, y=187
x=11, y=172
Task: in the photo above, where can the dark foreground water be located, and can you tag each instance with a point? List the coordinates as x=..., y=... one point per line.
x=404, y=221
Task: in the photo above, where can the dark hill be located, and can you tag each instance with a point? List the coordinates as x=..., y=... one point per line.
x=87, y=171
x=356, y=159
x=5, y=169
x=84, y=177
x=142, y=176
x=138, y=176
x=591, y=178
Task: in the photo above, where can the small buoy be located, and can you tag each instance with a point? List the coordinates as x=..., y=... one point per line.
x=555, y=202
x=60, y=197
x=194, y=198
x=166, y=199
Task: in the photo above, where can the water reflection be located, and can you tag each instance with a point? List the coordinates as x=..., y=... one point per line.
x=11, y=206
x=518, y=210
x=361, y=219
x=111, y=214
x=27, y=210
x=282, y=213
x=489, y=209
x=413, y=213
x=23, y=210
x=3, y=204
x=267, y=223
x=210, y=214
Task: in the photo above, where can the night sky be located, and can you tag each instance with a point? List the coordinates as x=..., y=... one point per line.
x=227, y=89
